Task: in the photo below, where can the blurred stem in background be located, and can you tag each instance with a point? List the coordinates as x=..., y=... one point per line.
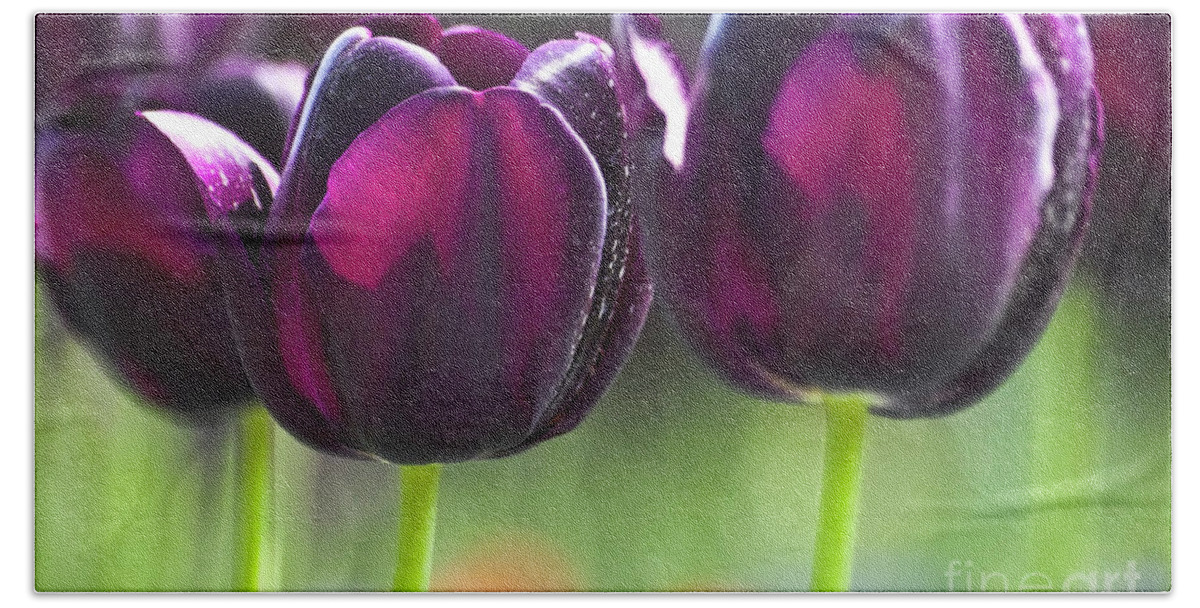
x=418, y=512
x=846, y=419
x=253, y=493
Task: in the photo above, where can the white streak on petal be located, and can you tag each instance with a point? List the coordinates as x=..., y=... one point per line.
x=665, y=87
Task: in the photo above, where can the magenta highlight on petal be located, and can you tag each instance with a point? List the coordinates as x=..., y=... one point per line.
x=879, y=204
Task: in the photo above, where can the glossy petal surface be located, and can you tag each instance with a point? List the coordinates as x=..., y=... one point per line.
x=613, y=345
x=338, y=106
x=578, y=78
x=653, y=84
x=223, y=163
x=1051, y=255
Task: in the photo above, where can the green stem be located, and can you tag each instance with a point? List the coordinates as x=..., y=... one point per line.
x=254, y=470
x=418, y=511
x=846, y=417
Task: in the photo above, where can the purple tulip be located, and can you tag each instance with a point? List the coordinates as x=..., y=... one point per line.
x=122, y=243
x=445, y=272
x=120, y=256
x=885, y=204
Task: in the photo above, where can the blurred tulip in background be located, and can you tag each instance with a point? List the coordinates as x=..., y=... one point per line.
x=878, y=203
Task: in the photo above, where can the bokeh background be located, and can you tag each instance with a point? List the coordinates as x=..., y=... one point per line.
x=675, y=482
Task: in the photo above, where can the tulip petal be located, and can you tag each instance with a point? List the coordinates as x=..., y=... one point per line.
x=717, y=285
x=467, y=226
x=223, y=163
x=655, y=67
x=254, y=99
x=577, y=78
x=653, y=83
x=694, y=274
x=376, y=73
x=616, y=340
x=853, y=179
x=1065, y=213
x=91, y=184
x=479, y=58
x=360, y=78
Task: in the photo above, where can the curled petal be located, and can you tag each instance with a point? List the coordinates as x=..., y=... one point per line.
x=339, y=105
x=226, y=167
x=577, y=78
x=653, y=85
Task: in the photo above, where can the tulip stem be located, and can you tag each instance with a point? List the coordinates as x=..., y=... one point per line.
x=846, y=417
x=418, y=512
x=253, y=479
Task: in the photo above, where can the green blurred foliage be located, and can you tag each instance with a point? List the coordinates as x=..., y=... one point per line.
x=675, y=482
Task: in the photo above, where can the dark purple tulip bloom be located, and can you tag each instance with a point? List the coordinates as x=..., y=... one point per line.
x=123, y=246
x=120, y=252
x=888, y=204
x=446, y=273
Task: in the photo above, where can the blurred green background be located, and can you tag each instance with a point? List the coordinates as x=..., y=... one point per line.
x=675, y=482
